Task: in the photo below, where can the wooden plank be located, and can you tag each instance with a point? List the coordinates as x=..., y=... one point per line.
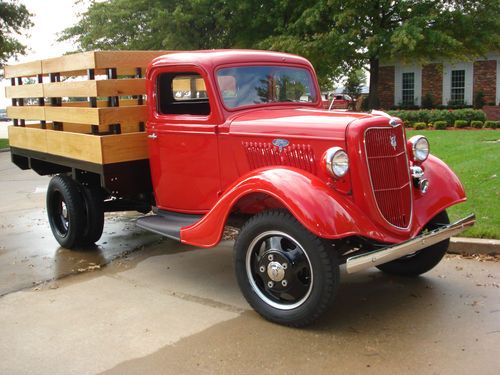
x=100, y=103
x=96, y=116
x=124, y=147
x=28, y=138
x=121, y=87
x=73, y=88
x=125, y=59
x=26, y=112
x=117, y=115
x=24, y=91
x=28, y=69
x=111, y=87
x=72, y=114
x=76, y=61
x=75, y=128
x=75, y=145
x=91, y=148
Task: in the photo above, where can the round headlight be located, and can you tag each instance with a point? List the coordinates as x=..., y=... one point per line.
x=420, y=147
x=337, y=162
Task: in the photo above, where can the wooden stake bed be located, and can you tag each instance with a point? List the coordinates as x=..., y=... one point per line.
x=88, y=106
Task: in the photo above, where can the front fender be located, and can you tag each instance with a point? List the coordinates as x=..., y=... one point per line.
x=445, y=190
x=319, y=208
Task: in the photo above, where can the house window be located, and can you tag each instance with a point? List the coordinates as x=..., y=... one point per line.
x=458, y=86
x=408, y=94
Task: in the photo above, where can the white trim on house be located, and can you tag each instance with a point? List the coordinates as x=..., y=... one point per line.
x=469, y=74
x=497, y=99
x=399, y=69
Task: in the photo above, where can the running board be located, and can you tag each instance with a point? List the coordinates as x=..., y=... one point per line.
x=167, y=224
x=374, y=258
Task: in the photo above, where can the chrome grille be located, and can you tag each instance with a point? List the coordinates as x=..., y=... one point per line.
x=389, y=173
x=266, y=154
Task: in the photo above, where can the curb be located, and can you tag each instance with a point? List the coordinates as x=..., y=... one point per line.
x=4, y=149
x=467, y=246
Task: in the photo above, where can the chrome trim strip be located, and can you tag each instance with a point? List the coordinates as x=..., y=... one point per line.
x=374, y=258
x=371, y=180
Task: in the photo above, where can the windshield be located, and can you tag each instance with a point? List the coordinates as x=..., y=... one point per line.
x=249, y=85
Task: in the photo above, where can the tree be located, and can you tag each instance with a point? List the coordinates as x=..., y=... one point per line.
x=355, y=32
x=354, y=82
x=337, y=36
x=14, y=19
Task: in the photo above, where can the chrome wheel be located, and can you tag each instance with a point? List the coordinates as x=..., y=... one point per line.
x=279, y=270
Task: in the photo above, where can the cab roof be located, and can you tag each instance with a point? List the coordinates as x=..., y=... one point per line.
x=213, y=58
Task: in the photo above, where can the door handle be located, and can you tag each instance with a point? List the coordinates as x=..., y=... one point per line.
x=152, y=136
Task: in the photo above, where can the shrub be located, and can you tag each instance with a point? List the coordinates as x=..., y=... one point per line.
x=469, y=115
x=428, y=101
x=479, y=101
x=440, y=125
x=420, y=125
x=433, y=115
x=491, y=124
x=461, y=124
x=476, y=124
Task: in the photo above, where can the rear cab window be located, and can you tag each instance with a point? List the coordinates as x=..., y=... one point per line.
x=182, y=93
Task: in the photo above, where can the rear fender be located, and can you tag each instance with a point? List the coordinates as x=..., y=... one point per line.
x=319, y=208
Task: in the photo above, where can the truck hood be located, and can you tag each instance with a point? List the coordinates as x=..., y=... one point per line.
x=296, y=122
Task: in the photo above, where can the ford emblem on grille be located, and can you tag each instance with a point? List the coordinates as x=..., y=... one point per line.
x=394, y=143
x=280, y=143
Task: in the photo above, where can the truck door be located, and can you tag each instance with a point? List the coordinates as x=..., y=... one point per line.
x=183, y=144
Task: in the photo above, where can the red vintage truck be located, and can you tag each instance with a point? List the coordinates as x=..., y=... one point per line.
x=237, y=137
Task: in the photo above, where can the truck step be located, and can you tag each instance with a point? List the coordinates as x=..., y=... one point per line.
x=167, y=224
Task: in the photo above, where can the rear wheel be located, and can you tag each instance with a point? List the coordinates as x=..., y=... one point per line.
x=66, y=211
x=423, y=260
x=287, y=274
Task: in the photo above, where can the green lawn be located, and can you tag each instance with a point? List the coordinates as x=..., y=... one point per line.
x=4, y=143
x=475, y=158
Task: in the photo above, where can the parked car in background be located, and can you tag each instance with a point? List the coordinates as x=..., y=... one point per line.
x=3, y=115
x=340, y=101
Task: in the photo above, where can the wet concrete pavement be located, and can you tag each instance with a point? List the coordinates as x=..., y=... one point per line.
x=29, y=254
x=167, y=308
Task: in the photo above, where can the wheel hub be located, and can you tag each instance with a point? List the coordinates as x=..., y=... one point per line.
x=64, y=210
x=275, y=271
x=279, y=270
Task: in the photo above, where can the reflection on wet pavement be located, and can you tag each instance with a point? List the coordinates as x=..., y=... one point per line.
x=30, y=255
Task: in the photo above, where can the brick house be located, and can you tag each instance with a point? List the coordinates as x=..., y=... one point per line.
x=447, y=82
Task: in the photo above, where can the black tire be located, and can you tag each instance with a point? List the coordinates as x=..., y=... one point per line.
x=66, y=211
x=94, y=215
x=274, y=247
x=423, y=260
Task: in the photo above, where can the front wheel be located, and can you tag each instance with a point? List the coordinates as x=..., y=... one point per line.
x=424, y=260
x=287, y=274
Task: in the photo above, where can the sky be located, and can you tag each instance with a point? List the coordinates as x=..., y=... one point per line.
x=50, y=17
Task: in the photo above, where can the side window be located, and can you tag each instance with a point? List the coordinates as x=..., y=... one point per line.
x=182, y=94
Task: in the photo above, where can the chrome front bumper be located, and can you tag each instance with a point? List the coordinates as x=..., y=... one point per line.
x=374, y=258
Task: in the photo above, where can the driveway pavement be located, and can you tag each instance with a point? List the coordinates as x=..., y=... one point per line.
x=136, y=304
